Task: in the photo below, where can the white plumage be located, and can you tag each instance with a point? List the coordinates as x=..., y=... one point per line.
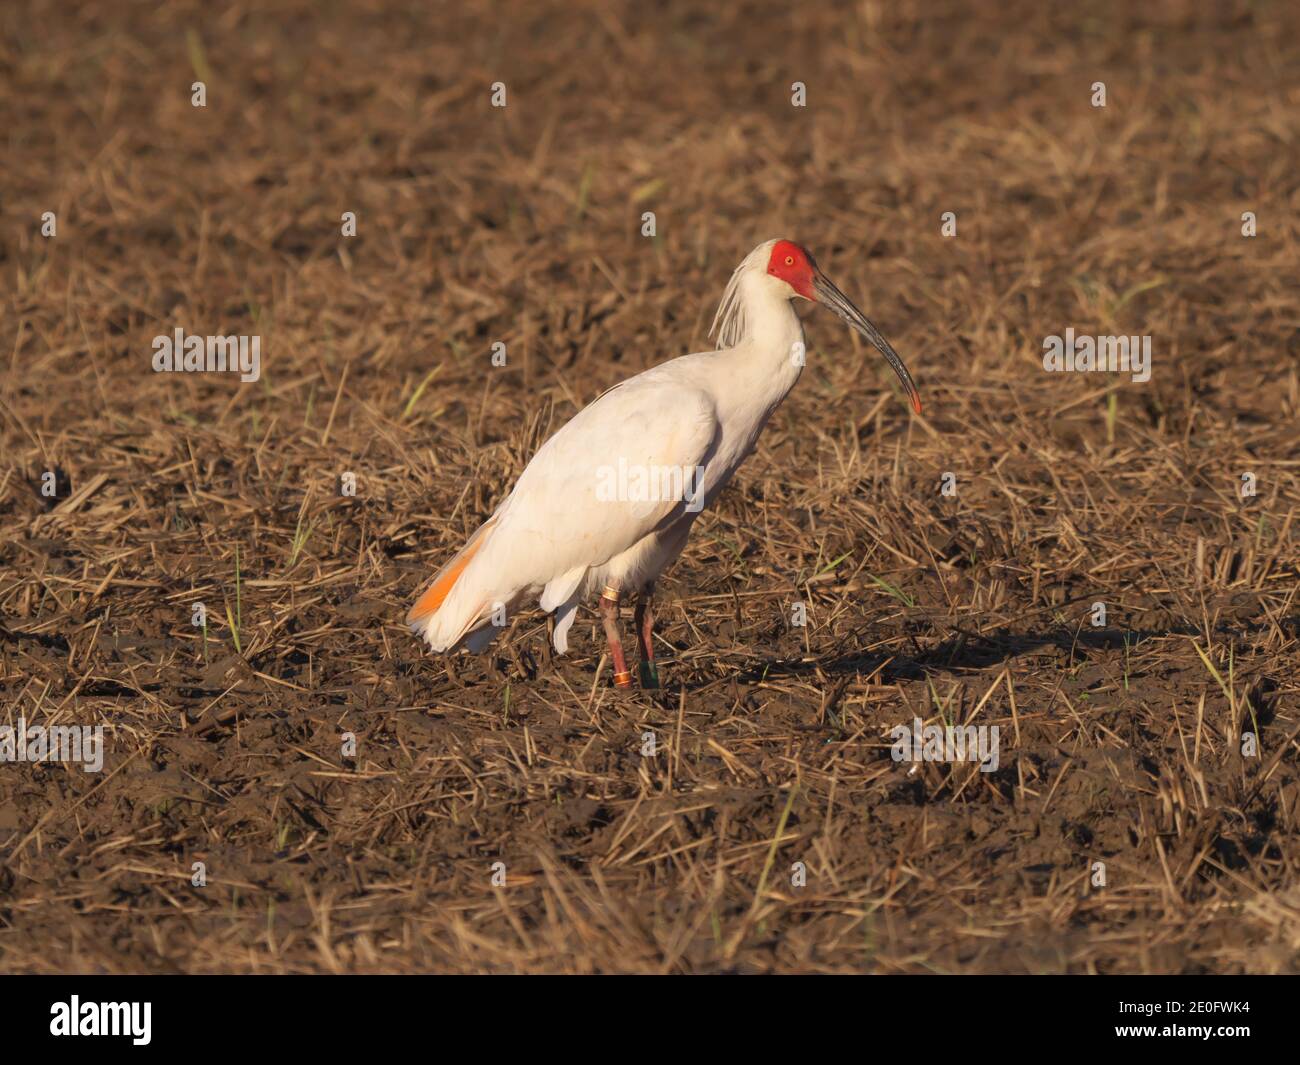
x=559, y=537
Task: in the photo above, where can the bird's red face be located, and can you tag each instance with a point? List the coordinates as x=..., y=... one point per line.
x=794, y=266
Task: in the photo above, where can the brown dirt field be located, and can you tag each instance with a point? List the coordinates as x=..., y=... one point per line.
x=1121, y=743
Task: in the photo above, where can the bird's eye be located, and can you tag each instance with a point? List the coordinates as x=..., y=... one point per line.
x=789, y=260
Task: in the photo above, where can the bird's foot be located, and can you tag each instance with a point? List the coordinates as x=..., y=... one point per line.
x=649, y=675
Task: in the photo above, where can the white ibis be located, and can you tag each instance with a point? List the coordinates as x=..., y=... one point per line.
x=607, y=503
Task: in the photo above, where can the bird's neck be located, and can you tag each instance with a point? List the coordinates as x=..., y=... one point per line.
x=772, y=350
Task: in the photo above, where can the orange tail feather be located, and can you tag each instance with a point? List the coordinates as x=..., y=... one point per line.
x=447, y=577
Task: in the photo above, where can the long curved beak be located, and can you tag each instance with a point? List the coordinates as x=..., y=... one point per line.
x=833, y=298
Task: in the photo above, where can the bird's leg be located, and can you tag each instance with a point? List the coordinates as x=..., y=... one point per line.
x=609, y=615
x=645, y=629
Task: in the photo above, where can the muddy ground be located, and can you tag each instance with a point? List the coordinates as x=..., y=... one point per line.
x=770, y=830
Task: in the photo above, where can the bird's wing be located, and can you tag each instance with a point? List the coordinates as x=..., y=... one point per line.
x=607, y=479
